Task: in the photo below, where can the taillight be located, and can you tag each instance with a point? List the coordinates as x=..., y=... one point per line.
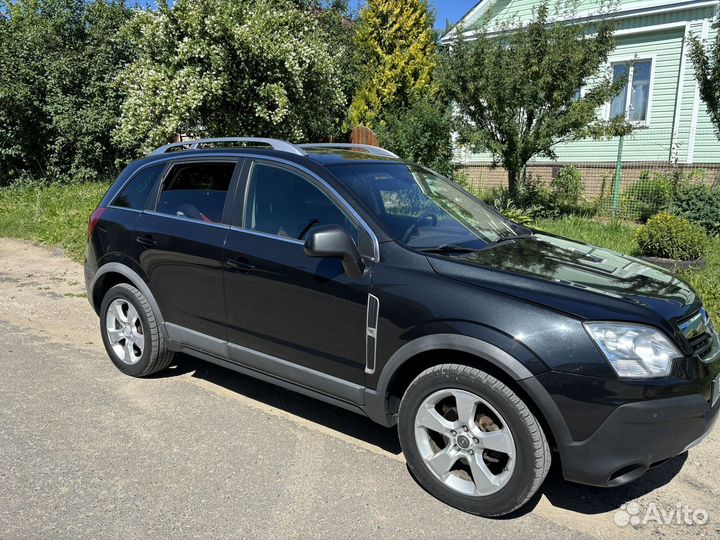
x=94, y=218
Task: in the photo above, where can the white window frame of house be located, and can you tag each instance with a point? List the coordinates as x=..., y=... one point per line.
x=628, y=95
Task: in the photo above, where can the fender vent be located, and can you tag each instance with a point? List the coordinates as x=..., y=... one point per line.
x=373, y=312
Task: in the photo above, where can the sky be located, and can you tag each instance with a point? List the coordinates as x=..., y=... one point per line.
x=446, y=11
x=450, y=10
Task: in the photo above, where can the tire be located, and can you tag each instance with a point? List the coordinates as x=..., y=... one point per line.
x=131, y=334
x=504, y=446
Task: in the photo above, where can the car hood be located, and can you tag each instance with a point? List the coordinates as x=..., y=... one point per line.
x=583, y=280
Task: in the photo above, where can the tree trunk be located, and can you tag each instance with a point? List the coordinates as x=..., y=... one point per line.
x=513, y=177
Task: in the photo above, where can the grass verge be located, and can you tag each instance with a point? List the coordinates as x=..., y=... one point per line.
x=53, y=215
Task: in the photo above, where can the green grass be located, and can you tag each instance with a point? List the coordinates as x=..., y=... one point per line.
x=52, y=215
x=58, y=215
x=620, y=237
x=615, y=235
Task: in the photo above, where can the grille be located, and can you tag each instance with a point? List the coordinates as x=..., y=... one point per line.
x=701, y=334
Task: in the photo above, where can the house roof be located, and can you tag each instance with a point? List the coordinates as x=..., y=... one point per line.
x=470, y=18
x=624, y=9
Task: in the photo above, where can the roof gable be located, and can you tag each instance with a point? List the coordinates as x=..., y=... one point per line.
x=503, y=11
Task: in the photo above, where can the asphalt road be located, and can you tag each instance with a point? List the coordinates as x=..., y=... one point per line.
x=202, y=452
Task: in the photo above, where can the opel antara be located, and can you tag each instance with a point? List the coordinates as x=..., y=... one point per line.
x=347, y=274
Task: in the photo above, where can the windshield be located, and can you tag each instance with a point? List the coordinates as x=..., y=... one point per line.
x=421, y=209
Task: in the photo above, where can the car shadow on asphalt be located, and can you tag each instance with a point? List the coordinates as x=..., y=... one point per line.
x=340, y=420
x=590, y=500
x=560, y=493
x=596, y=500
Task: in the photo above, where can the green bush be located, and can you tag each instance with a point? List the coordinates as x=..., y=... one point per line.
x=531, y=191
x=700, y=204
x=521, y=216
x=652, y=193
x=567, y=186
x=672, y=237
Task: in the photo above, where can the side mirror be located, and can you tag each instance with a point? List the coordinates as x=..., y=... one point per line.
x=333, y=241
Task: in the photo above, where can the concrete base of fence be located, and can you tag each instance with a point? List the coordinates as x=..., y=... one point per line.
x=673, y=265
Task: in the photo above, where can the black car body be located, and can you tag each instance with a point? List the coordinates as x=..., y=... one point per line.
x=356, y=333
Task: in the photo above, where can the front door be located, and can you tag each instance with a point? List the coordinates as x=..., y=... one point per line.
x=302, y=310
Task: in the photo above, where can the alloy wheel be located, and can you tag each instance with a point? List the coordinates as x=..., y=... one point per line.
x=465, y=442
x=124, y=331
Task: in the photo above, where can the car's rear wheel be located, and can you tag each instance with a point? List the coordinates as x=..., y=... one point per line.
x=131, y=334
x=470, y=441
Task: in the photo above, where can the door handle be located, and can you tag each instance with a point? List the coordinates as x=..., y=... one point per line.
x=146, y=240
x=240, y=264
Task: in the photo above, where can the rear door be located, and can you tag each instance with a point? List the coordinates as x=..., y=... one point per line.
x=180, y=240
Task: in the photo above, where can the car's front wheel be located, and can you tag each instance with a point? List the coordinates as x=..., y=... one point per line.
x=131, y=334
x=470, y=441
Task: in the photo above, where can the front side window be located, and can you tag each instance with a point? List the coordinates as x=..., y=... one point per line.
x=283, y=203
x=135, y=194
x=634, y=99
x=421, y=209
x=196, y=190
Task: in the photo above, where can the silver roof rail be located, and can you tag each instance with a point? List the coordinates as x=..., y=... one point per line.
x=275, y=144
x=374, y=150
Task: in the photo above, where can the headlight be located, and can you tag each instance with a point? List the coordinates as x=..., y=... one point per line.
x=634, y=351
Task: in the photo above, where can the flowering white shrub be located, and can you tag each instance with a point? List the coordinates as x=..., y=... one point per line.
x=228, y=68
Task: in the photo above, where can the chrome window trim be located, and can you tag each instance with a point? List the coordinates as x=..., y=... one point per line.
x=338, y=198
x=189, y=220
x=267, y=235
x=165, y=159
x=245, y=155
x=124, y=208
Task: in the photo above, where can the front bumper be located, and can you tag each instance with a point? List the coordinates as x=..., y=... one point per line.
x=610, y=432
x=636, y=437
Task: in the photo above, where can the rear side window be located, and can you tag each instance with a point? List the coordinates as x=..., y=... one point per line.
x=196, y=190
x=135, y=194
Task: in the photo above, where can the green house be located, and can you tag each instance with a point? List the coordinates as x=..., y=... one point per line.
x=661, y=97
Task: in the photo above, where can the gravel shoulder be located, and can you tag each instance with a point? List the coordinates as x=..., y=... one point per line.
x=199, y=451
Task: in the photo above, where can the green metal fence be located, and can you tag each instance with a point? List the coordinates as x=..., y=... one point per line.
x=627, y=186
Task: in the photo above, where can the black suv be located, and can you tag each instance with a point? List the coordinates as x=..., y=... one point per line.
x=346, y=274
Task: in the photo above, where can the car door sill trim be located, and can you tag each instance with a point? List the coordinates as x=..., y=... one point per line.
x=271, y=379
x=259, y=362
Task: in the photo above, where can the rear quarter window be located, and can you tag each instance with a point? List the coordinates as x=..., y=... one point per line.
x=135, y=194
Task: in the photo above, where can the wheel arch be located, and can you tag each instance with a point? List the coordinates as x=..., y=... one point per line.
x=416, y=356
x=114, y=273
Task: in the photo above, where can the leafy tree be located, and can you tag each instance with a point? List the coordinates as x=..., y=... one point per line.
x=397, y=44
x=58, y=105
x=707, y=73
x=420, y=132
x=338, y=22
x=229, y=67
x=515, y=95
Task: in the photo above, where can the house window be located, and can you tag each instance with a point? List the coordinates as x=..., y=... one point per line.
x=634, y=99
